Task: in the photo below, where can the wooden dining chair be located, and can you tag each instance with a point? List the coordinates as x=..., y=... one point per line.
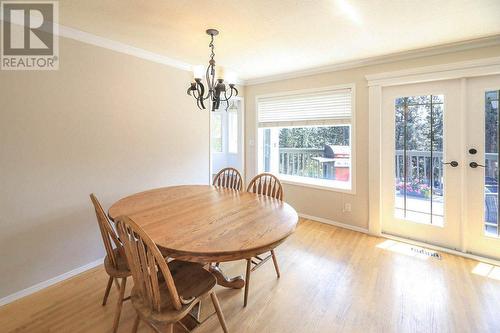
x=265, y=184
x=163, y=293
x=229, y=178
x=115, y=262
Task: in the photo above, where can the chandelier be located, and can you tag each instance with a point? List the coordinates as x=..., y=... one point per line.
x=215, y=91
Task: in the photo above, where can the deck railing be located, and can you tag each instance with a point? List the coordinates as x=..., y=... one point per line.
x=419, y=166
x=418, y=169
x=299, y=162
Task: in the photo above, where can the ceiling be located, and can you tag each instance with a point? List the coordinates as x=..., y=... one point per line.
x=262, y=37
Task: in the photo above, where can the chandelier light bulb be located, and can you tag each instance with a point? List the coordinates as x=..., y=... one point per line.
x=198, y=71
x=219, y=72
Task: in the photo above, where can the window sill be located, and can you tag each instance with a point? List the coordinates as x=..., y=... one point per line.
x=321, y=184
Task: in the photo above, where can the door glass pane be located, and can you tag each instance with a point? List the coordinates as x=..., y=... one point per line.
x=418, y=159
x=491, y=164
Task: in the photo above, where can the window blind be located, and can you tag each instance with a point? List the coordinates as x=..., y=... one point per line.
x=328, y=107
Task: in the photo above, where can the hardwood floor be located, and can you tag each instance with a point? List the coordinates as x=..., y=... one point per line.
x=333, y=280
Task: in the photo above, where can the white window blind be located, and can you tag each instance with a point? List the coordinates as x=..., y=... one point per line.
x=327, y=107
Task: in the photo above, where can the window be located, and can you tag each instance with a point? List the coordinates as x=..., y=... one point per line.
x=216, y=130
x=306, y=137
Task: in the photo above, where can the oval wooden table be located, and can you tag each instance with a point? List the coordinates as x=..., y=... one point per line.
x=208, y=224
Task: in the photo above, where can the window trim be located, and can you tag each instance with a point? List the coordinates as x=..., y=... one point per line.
x=351, y=86
x=228, y=151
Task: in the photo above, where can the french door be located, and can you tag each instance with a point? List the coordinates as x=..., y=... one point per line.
x=481, y=166
x=421, y=132
x=440, y=164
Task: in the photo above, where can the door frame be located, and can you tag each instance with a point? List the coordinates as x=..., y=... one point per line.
x=241, y=144
x=376, y=83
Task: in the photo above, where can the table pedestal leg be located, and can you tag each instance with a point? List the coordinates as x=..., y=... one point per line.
x=233, y=283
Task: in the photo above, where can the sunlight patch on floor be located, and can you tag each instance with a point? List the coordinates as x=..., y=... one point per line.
x=487, y=270
x=407, y=249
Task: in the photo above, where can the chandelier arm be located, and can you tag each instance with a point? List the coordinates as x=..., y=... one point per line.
x=227, y=99
x=200, y=104
x=196, y=96
x=207, y=78
x=201, y=91
x=231, y=94
x=235, y=90
x=213, y=81
x=209, y=95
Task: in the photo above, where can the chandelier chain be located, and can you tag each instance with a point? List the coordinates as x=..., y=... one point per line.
x=212, y=47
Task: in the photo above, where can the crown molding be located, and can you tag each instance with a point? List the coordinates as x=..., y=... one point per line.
x=405, y=55
x=91, y=39
x=109, y=44
x=454, y=70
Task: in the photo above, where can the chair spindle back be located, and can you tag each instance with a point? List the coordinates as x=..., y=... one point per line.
x=266, y=184
x=229, y=178
x=108, y=234
x=146, y=261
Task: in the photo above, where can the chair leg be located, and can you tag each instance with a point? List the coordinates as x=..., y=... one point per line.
x=108, y=288
x=247, y=281
x=117, y=285
x=136, y=324
x=219, y=311
x=168, y=329
x=119, y=304
x=275, y=260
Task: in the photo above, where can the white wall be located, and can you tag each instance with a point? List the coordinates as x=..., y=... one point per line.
x=105, y=122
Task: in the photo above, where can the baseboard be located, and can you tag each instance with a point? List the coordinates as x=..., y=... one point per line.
x=334, y=223
x=442, y=249
x=42, y=285
x=404, y=240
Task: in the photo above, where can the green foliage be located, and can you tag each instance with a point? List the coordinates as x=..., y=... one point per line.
x=491, y=122
x=418, y=123
x=419, y=129
x=314, y=137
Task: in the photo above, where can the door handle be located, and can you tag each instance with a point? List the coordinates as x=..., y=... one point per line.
x=453, y=164
x=474, y=165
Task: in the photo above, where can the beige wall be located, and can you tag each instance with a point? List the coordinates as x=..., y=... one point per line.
x=328, y=204
x=107, y=123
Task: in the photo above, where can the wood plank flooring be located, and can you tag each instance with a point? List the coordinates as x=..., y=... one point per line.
x=333, y=280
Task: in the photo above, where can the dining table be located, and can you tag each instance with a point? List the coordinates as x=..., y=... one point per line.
x=209, y=224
